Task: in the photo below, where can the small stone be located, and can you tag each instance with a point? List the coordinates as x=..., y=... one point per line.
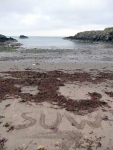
x=41, y=147
x=91, y=132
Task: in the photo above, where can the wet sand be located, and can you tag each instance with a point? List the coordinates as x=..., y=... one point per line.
x=45, y=123
x=38, y=65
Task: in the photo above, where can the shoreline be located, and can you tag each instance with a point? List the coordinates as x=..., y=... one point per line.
x=56, y=105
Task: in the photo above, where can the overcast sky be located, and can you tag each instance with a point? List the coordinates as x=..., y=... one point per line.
x=54, y=17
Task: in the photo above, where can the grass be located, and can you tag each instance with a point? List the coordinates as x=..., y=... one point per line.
x=7, y=49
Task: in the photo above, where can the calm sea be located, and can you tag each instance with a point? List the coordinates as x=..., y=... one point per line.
x=47, y=42
x=59, y=50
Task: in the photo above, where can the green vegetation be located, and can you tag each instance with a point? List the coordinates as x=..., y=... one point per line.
x=6, y=124
x=7, y=49
x=72, y=124
x=109, y=29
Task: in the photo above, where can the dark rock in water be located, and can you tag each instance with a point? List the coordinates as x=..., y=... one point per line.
x=105, y=35
x=23, y=37
x=3, y=38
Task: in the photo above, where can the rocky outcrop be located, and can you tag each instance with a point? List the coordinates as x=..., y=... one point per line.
x=105, y=35
x=3, y=38
x=8, y=42
x=23, y=37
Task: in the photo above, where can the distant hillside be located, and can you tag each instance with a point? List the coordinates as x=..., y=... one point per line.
x=105, y=35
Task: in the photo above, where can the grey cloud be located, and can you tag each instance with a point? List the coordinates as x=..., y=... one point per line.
x=32, y=16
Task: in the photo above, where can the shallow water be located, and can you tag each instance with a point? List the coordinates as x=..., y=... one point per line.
x=47, y=42
x=55, y=49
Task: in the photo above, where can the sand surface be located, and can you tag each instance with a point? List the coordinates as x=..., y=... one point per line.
x=38, y=65
x=36, y=124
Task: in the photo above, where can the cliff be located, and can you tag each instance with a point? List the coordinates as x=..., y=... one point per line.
x=105, y=35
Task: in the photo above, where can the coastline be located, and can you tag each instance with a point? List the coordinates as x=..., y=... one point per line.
x=105, y=36
x=56, y=98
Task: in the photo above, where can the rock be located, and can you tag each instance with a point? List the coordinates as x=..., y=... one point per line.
x=23, y=37
x=105, y=35
x=41, y=147
x=8, y=42
x=3, y=38
x=15, y=44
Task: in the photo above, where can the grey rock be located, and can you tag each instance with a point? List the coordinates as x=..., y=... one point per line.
x=105, y=35
x=23, y=37
x=3, y=38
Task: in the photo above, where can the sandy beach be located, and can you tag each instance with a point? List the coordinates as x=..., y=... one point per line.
x=56, y=106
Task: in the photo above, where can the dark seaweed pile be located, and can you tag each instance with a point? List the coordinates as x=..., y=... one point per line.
x=48, y=86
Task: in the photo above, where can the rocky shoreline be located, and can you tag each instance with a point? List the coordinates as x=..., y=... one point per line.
x=105, y=36
x=3, y=38
x=8, y=42
x=54, y=105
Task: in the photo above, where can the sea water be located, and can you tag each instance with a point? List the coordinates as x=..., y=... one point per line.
x=46, y=42
x=56, y=49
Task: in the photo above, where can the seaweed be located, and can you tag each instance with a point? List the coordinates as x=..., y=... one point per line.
x=48, y=85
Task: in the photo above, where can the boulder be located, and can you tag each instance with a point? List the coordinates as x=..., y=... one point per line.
x=23, y=37
x=105, y=35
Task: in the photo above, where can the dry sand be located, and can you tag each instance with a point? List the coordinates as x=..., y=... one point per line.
x=45, y=124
